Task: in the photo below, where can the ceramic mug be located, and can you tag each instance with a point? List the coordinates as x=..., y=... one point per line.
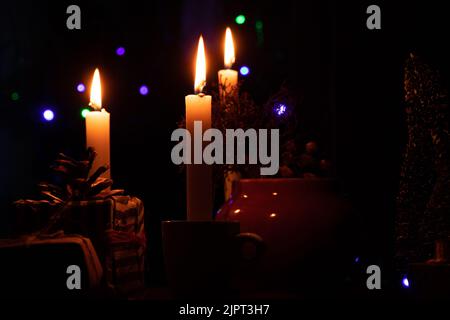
x=203, y=258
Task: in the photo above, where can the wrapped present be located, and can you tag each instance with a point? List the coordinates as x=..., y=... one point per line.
x=115, y=227
x=36, y=266
x=90, y=218
x=78, y=202
x=85, y=204
x=128, y=214
x=125, y=267
x=93, y=218
x=32, y=215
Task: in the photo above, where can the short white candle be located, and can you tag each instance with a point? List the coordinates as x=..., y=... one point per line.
x=228, y=78
x=97, y=127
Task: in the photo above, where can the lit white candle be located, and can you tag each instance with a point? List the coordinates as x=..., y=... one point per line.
x=228, y=78
x=97, y=127
x=199, y=176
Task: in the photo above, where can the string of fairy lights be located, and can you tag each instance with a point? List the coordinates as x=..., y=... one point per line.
x=48, y=113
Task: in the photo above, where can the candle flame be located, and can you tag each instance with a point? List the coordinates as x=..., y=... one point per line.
x=229, y=57
x=96, y=91
x=200, y=68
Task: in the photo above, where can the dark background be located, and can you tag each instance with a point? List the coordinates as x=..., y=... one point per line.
x=351, y=79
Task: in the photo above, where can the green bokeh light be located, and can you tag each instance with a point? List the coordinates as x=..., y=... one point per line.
x=259, y=26
x=240, y=19
x=84, y=112
x=15, y=96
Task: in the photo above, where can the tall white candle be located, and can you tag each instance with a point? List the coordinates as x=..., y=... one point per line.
x=97, y=127
x=228, y=78
x=199, y=176
x=228, y=81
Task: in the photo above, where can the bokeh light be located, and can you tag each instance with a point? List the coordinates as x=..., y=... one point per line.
x=48, y=115
x=120, y=51
x=405, y=282
x=244, y=70
x=240, y=19
x=259, y=32
x=259, y=25
x=280, y=109
x=84, y=112
x=81, y=87
x=143, y=90
x=15, y=96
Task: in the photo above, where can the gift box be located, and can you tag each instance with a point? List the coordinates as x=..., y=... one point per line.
x=79, y=201
x=128, y=214
x=36, y=267
x=114, y=225
x=125, y=267
x=90, y=218
x=32, y=215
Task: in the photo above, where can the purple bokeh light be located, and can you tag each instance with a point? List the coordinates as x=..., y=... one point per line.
x=280, y=109
x=120, y=51
x=81, y=87
x=143, y=90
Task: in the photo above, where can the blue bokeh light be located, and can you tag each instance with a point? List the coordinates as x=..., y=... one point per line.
x=48, y=115
x=280, y=109
x=405, y=282
x=244, y=70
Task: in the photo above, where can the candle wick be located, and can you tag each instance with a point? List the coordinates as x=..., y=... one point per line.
x=201, y=94
x=94, y=106
x=200, y=87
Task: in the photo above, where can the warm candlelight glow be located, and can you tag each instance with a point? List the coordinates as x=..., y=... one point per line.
x=97, y=127
x=228, y=78
x=199, y=187
x=200, y=67
x=96, y=91
x=229, y=57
